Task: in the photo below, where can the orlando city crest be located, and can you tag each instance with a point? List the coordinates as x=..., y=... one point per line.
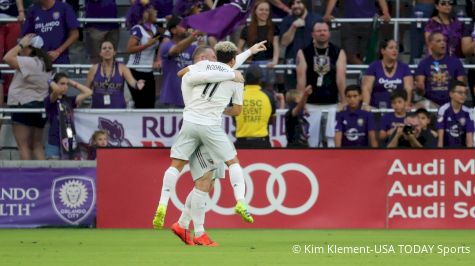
x=73, y=198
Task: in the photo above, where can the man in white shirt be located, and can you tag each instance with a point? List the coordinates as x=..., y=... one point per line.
x=202, y=124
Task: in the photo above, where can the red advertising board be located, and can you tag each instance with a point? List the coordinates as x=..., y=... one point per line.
x=299, y=189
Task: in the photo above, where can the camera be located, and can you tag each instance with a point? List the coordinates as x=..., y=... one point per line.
x=408, y=129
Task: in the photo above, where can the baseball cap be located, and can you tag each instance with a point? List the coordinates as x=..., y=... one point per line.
x=37, y=42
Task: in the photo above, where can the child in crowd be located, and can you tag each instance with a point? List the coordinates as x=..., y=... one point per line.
x=454, y=121
x=354, y=126
x=100, y=138
x=62, y=141
x=390, y=121
x=296, y=126
x=425, y=120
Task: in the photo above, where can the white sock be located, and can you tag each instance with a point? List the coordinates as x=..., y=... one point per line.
x=198, y=210
x=237, y=181
x=185, y=217
x=169, y=182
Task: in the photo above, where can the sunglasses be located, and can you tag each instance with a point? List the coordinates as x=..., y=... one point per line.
x=446, y=3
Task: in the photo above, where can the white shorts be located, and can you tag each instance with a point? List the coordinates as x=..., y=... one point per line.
x=201, y=163
x=192, y=136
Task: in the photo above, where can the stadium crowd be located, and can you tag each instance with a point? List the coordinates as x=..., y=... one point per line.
x=324, y=108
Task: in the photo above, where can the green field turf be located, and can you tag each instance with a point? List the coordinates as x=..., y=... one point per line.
x=88, y=247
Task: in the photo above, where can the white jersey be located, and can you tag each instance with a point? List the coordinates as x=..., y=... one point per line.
x=205, y=102
x=146, y=56
x=200, y=66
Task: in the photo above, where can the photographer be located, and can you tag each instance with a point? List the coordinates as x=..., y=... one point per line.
x=411, y=135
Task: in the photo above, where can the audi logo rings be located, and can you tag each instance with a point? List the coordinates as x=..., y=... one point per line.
x=275, y=202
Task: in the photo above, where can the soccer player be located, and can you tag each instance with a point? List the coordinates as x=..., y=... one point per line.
x=205, y=183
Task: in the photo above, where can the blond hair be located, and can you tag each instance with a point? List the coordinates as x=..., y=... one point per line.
x=97, y=133
x=292, y=95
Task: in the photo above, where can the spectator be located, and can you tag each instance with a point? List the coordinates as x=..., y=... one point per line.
x=258, y=111
x=296, y=125
x=56, y=23
x=262, y=29
x=444, y=22
x=436, y=71
x=9, y=33
x=142, y=46
x=96, y=33
x=355, y=36
x=322, y=65
x=106, y=80
x=411, y=135
x=296, y=33
x=354, y=126
x=385, y=76
x=28, y=89
x=175, y=55
x=421, y=9
x=390, y=121
x=425, y=120
x=62, y=142
x=99, y=139
x=454, y=121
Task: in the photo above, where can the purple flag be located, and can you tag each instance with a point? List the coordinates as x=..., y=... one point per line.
x=221, y=21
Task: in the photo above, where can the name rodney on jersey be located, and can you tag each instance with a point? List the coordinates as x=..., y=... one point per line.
x=217, y=67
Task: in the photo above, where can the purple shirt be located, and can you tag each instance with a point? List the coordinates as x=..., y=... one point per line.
x=355, y=127
x=171, y=83
x=453, y=35
x=101, y=9
x=53, y=116
x=383, y=85
x=112, y=87
x=455, y=125
x=53, y=25
x=389, y=120
x=438, y=75
x=360, y=9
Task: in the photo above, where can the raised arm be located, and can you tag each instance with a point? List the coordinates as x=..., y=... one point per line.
x=301, y=70
x=84, y=91
x=242, y=57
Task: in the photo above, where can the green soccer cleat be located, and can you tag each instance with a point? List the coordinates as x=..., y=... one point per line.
x=241, y=209
x=159, y=218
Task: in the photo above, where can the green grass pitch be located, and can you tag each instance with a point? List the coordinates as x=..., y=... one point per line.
x=88, y=247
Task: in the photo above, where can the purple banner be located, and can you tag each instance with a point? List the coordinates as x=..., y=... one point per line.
x=36, y=197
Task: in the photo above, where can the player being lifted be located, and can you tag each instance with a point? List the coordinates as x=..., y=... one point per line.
x=200, y=163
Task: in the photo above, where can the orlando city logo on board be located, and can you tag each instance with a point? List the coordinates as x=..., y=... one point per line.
x=73, y=198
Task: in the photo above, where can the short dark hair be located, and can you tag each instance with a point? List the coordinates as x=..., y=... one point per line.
x=399, y=94
x=58, y=76
x=225, y=51
x=253, y=75
x=423, y=111
x=353, y=88
x=456, y=83
x=291, y=2
x=432, y=34
x=173, y=22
